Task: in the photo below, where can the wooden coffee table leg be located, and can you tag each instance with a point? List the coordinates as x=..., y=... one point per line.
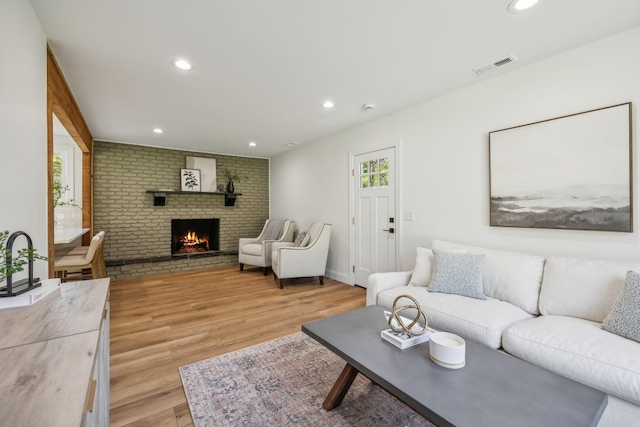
x=340, y=388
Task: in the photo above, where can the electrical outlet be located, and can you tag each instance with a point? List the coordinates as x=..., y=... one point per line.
x=408, y=215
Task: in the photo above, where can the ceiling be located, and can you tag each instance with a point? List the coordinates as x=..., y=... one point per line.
x=262, y=68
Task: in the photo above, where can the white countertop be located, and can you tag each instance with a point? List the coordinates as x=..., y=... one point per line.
x=50, y=350
x=68, y=235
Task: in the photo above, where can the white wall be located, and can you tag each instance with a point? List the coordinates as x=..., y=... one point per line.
x=444, y=158
x=23, y=126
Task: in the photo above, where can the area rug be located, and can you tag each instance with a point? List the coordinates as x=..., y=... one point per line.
x=283, y=383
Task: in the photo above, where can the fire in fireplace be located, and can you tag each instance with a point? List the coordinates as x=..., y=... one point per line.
x=190, y=236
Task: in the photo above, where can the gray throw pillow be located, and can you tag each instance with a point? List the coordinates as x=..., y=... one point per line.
x=624, y=319
x=457, y=273
x=298, y=242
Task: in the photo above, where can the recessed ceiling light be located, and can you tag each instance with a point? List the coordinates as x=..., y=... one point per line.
x=291, y=144
x=327, y=104
x=252, y=144
x=183, y=65
x=158, y=130
x=517, y=6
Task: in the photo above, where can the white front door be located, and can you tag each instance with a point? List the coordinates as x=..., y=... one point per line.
x=374, y=214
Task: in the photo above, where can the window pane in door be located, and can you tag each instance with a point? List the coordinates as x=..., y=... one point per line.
x=374, y=179
x=384, y=164
x=364, y=168
x=364, y=181
x=374, y=166
x=384, y=180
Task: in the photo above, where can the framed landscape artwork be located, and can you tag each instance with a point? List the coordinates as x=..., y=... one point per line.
x=572, y=172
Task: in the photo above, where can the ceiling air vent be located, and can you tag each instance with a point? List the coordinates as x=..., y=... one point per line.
x=499, y=63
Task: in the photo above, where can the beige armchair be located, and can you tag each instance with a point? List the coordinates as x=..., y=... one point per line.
x=289, y=261
x=257, y=251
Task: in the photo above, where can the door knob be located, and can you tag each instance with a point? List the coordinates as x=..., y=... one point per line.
x=391, y=230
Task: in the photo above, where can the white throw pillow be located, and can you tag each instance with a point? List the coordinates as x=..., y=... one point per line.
x=423, y=269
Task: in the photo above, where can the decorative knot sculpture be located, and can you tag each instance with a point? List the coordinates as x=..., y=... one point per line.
x=397, y=324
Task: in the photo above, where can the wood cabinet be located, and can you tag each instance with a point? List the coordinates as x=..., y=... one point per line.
x=97, y=409
x=55, y=358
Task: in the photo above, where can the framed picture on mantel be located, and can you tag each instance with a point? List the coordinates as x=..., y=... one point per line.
x=572, y=172
x=190, y=179
x=207, y=168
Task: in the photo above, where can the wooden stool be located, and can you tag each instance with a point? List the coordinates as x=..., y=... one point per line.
x=89, y=265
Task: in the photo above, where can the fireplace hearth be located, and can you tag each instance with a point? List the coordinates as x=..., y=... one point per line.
x=193, y=236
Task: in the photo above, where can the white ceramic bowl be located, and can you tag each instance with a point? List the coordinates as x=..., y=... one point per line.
x=447, y=348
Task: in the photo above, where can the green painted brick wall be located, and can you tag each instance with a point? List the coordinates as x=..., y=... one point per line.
x=137, y=229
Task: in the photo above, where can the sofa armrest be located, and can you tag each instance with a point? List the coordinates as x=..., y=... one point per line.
x=379, y=282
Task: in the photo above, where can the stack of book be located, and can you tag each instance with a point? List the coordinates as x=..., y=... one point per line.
x=47, y=287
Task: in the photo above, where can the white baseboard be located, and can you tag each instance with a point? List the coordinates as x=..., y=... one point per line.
x=340, y=277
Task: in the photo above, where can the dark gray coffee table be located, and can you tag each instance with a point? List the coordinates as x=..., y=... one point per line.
x=493, y=389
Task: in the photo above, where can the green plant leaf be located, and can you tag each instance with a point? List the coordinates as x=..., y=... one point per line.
x=18, y=261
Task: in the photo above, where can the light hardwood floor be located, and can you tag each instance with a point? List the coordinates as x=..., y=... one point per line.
x=160, y=323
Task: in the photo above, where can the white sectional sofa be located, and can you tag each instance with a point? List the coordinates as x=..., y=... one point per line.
x=548, y=312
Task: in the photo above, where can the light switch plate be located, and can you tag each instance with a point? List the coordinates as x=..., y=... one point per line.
x=408, y=215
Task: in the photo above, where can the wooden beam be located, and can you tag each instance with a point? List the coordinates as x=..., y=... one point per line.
x=87, y=196
x=65, y=106
x=60, y=101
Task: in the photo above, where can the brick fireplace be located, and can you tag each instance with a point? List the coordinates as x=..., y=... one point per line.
x=138, y=234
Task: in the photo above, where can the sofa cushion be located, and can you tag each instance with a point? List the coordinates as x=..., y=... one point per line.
x=459, y=274
x=579, y=349
x=624, y=319
x=423, y=270
x=252, y=249
x=508, y=276
x=479, y=320
x=582, y=288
